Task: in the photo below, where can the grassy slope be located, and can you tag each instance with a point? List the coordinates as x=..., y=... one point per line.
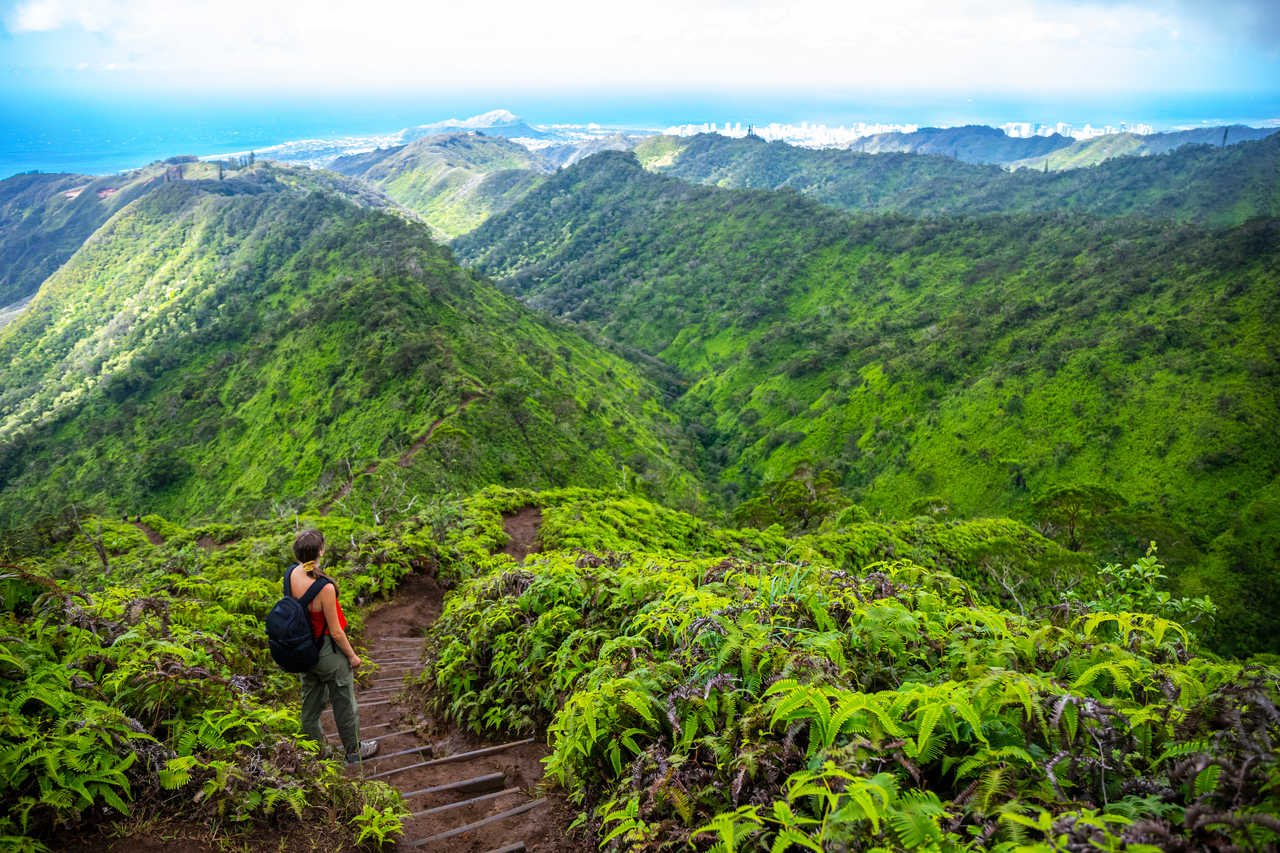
x=982, y=361
x=1197, y=184
x=44, y=219
x=453, y=181
x=217, y=347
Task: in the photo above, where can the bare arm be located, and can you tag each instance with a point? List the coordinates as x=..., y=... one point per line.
x=329, y=603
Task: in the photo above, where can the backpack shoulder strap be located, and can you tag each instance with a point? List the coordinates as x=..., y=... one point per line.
x=314, y=590
x=288, y=572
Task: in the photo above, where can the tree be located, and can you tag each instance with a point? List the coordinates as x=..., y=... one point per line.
x=800, y=502
x=1075, y=508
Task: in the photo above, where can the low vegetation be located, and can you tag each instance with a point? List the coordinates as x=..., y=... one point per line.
x=735, y=697
x=137, y=694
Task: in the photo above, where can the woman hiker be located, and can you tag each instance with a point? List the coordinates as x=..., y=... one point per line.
x=332, y=673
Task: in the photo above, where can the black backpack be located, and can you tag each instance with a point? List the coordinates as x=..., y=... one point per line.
x=289, y=629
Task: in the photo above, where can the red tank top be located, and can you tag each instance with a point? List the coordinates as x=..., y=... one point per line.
x=317, y=620
x=317, y=617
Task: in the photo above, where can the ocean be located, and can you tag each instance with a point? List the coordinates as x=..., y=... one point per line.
x=110, y=132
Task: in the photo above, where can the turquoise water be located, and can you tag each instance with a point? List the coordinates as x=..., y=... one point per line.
x=50, y=132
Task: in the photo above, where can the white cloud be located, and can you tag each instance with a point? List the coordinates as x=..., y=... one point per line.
x=48, y=15
x=1013, y=45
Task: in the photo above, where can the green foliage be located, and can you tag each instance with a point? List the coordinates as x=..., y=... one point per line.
x=1195, y=183
x=1140, y=587
x=252, y=346
x=148, y=692
x=804, y=704
x=798, y=503
x=978, y=364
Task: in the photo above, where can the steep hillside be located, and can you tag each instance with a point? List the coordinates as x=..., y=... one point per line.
x=970, y=144
x=45, y=218
x=1090, y=152
x=235, y=345
x=453, y=181
x=980, y=364
x=1192, y=184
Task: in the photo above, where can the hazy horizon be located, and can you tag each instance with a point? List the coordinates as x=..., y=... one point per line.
x=101, y=132
x=88, y=85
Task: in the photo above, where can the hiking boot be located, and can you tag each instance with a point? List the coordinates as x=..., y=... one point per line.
x=367, y=749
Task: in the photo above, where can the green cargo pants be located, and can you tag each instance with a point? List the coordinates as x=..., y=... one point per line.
x=331, y=680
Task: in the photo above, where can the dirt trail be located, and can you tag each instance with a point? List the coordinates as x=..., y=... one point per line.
x=421, y=442
x=468, y=794
x=405, y=458
x=346, y=487
x=152, y=536
x=522, y=528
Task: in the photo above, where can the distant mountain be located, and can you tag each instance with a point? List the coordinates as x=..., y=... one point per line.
x=218, y=346
x=978, y=363
x=494, y=123
x=1192, y=183
x=970, y=144
x=453, y=181
x=567, y=153
x=1091, y=152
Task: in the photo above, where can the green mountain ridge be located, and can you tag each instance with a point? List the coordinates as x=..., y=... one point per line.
x=220, y=347
x=453, y=181
x=44, y=219
x=969, y=144
x=975, y=362
x=1221, y=186
x=1091, y=152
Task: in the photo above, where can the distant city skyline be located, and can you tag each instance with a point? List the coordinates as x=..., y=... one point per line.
x=820, y=134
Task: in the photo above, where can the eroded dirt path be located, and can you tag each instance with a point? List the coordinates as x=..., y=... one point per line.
x=522, y=528
x=346, y=487
x=407, y=457
x=152, y=536
x=467, y=794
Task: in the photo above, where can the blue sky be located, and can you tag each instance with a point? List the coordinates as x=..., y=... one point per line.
x=820, y=47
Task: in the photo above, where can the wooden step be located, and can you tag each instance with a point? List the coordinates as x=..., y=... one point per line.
x=463, y=803
x=461, y=756
x=444, y=836
x=475, y=784
x=410, y=751
x=363, y=728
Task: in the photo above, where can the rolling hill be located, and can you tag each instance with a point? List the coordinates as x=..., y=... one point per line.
x=453, y=181
x=972, y=364
x=1193, y=184
x=969, y=144
x=1091, y=152
x=221, y=347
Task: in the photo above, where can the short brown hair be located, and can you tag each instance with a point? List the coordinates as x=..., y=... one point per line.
x=307, y=544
